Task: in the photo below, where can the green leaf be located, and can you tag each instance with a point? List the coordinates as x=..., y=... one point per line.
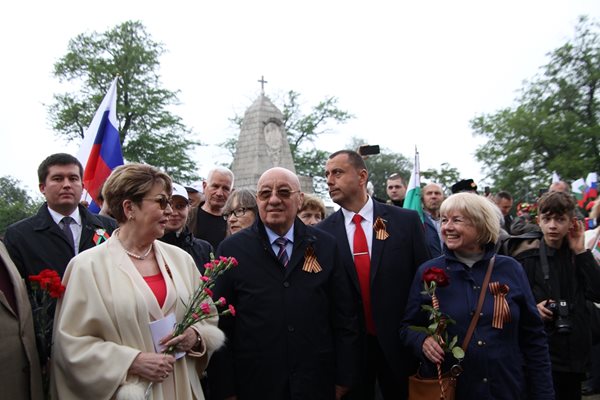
x=453, y=342
x=419, y=329
x=427, y=307
x=458, y=353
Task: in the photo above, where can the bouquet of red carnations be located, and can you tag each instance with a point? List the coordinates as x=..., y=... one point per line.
x=199, y=306
x=45, y=289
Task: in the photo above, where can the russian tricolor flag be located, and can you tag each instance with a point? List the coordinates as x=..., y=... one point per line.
x=100, y=150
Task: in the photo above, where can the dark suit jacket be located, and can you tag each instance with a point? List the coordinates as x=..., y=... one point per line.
x=295, y=333
x=432, y=237
x=393, y=265
x=37, y=242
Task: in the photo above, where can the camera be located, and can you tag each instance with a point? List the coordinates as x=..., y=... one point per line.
x=560, y=310
x=366, y=150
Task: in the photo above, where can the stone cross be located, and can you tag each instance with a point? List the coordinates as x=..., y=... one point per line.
x=262, y=84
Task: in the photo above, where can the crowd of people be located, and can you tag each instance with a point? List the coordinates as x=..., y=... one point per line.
x=328, y=304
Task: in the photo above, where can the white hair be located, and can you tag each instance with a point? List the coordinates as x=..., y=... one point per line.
x=370, y=188
x=221, y=170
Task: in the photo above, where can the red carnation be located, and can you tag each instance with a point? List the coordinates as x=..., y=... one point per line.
x=436, y=275
x=205, y=308
x=232, y=310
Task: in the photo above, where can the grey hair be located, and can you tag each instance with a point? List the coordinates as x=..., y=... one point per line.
x=220, y=170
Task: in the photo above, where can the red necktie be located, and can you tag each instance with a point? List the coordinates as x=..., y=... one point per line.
x=362, y=263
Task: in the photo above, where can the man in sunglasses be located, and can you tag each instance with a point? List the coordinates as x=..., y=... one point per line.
x=295, y=332
x=381, y=247
x=62, y=228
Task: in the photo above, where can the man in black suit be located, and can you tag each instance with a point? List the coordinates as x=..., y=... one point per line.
x=62, y=228
x=381, y=247
x=295, y=333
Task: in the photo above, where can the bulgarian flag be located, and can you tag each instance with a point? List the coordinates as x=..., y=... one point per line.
x=578, y=189
x=412, y=200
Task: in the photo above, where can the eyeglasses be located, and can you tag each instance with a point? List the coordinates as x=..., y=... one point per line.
x=238, y=212
x=283, y=194
x=163, y=201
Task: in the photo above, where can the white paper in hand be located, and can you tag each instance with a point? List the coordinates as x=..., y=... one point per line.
x=161, y=328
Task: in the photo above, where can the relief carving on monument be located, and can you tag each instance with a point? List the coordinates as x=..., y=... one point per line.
x=273, y=132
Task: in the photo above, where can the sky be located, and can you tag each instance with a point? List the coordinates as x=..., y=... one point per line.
x=413, y=73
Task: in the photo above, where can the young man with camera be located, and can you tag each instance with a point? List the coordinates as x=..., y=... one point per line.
x=563, y=275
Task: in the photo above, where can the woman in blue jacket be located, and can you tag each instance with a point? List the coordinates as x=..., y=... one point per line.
x=506, y=361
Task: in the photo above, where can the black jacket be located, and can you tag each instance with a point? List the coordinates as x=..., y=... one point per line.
x=37, y=242
x=574, y=278
x=199, y=249
x=394, y=262
x=295, y=333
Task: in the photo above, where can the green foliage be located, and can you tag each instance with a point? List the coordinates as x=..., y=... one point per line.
x=311, y=163
x=554, y=125
x=306, y=128
x=149, y=132
x=15, y=203
x=445, y=176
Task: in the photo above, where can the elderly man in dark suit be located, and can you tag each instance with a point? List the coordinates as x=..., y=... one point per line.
x=62, y=228
x=20, y=375
x=295, y=334
x=381, y=247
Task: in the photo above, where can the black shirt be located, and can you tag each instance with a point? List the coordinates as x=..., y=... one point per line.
x=209, y=227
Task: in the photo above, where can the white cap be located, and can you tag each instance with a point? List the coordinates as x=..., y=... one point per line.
x=195, y=187
x=179, y=190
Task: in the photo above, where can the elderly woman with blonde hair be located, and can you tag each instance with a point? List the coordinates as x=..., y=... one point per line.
x=103, y=344
x=507, y=356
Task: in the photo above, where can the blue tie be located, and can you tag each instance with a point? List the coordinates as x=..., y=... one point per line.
x=66, y=228
x=282, y=255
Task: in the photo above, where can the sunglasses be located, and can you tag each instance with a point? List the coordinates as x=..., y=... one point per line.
x=238, y=212
x=283, y=194
x=163, y=201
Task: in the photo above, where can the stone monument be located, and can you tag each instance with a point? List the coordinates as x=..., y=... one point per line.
x=263, y=144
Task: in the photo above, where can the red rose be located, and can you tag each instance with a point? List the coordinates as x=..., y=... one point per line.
x=234, y=261
x=232, y=310
x=436, y=275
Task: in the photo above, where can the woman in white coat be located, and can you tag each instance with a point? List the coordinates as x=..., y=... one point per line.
x=103, y=347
